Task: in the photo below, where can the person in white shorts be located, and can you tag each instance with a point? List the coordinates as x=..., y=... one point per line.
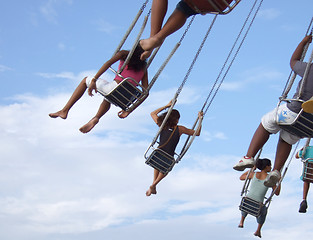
x=136, y=69
x=284, y=113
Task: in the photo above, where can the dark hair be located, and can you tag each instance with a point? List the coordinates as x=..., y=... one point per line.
x=172, y=119
x=135, y=63
x=262, y=163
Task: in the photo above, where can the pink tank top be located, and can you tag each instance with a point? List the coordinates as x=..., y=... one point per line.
x=130, y=73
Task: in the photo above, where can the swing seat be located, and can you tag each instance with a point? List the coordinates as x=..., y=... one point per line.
x=212, y=6
x=251, y=206
x=161, y=161
x=307, y=173
x=124, y=95
x=302, y=126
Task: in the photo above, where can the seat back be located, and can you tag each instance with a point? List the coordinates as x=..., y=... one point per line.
x=250, y=206
x=214, y=6
x=302, y=126
x=124, y=95
x=161, y=161
x=307, y=173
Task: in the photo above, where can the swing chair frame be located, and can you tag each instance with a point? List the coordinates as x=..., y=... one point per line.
x=249, y=205
x=302, y=125
x=217, y=8
x=116, y=95
x=151, y=152
x=206, y=104
x=307, y=172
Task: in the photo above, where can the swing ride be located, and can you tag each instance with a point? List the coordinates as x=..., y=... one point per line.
x=127, y=96
x=156, y=157
x=212, y=6
x=302, y=126
x=307, y=160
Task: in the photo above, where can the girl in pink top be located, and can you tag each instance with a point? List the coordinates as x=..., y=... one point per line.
x=135, y=69
x=137, y=75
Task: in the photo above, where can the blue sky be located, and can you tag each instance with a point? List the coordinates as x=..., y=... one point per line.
x=57, y=183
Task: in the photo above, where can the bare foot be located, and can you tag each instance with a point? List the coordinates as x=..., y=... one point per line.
x=123, y=114
x=257, y=234
x=60, y=114
x=88, y=126
x=151, y=190
x=150, y=43
x=145, y=55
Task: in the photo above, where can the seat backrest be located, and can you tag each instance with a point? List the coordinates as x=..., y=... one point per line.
x=250, y=206
x=161, y=161
x=307, y=174
x=124, y=94
x=302, y=126
x=212, y=6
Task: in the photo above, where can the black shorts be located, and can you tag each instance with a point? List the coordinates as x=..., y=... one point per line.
x=185, y=9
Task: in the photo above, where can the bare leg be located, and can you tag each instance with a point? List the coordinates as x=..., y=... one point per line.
x=104, y=107
x=175, y=22
x=158, y=12
x=282, y=153
x=242, y=220
x=306, y=187
x=157, y=177
x=259, y=138
x=258, y=231
x=77, y=94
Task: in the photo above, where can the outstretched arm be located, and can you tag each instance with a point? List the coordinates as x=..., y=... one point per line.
x=118, y=56
x=154, y=114
x=190, y=132
x=296, y=56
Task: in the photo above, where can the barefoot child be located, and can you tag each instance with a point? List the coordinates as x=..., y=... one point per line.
x=257, y=191
x=169, y=138
x=135, y=69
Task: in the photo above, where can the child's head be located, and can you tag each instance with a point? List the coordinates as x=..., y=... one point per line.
x=172, y=119
x=262, y=163
x=135, y=63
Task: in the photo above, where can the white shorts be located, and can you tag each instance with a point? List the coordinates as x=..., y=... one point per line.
x=284, y=116
x=102, y=85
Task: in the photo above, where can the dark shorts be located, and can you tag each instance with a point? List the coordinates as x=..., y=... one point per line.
x=185, y=9
x=261, y=218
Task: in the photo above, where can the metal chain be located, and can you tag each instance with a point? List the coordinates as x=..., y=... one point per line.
x=144, y=5
x=292, y=75
x=236, y=53
x=186, y=30
x=195, y=58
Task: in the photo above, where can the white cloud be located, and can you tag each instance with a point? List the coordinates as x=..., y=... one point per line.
x=49, y=12
x=76, y=77
x=104, y=26
x=251, y=76
x=61, y=46
x=209, y=136
x=269, y=14
x=4, y=68
x=55, y=180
